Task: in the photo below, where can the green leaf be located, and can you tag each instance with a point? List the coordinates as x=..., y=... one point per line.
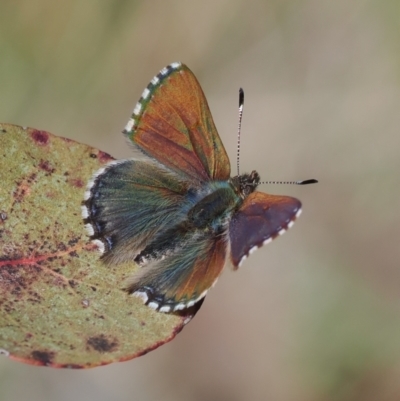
x=60, y=305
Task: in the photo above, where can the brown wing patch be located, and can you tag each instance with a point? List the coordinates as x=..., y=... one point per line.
x=261, y=218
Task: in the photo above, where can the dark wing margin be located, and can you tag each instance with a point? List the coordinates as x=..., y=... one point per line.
x=172, y=123
x=260, y=219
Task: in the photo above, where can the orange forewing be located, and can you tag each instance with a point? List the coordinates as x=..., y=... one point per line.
x=176, y=128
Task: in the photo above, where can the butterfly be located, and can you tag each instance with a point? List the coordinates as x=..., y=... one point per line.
x=174, y=209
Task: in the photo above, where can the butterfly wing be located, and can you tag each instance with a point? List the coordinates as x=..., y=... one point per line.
x=172, y=123
x=183, y=278
x=128, y=202
x=260, y=219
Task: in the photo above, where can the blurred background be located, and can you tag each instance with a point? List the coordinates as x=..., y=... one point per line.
x=313, y=316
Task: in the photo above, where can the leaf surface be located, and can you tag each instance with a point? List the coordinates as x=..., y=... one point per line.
x=60, y=305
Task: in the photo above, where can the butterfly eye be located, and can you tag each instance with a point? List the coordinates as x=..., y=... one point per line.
x=248, y=189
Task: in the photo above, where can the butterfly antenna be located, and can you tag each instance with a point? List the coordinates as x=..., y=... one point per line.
x=303, y=182
x=241, y=102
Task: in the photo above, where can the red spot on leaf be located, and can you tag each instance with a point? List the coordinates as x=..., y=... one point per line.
x=43, y=357
x=104, y=157
x=22, y=191
x=77, y=182
x=102, y=344
x=11, y=279
x=24, y=188
x=46, y=166
x=91, y=247
x=40, y=137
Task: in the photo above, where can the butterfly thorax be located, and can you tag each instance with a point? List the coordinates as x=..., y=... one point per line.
x=213, y=209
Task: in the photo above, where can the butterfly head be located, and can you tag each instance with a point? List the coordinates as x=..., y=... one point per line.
x=245, y=184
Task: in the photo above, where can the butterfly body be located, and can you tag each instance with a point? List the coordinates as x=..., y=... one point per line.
x=175, y=211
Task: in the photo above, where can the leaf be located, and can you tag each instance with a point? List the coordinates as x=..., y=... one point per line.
x=60, y=305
